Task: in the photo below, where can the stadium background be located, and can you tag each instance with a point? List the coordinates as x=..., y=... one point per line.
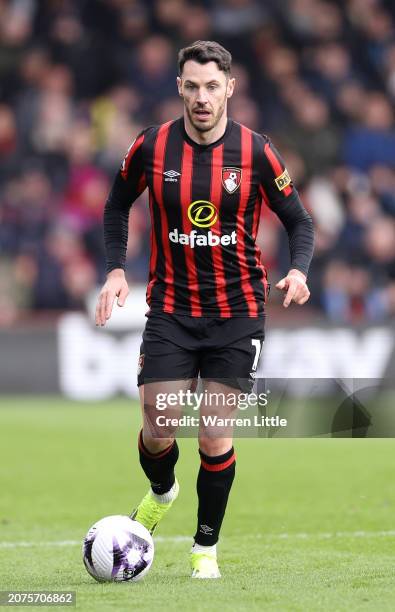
x=78, y=80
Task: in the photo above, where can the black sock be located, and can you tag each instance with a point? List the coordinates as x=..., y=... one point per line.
x=159, y=467
x=214, y=482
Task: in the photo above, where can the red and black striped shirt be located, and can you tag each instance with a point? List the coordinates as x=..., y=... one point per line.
x=205, y=203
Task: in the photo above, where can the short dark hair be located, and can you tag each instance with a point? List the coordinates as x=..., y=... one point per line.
x=204, y=51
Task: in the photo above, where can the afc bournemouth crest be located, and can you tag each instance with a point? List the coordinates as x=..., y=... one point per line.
x=231, y=179
x=140, y=364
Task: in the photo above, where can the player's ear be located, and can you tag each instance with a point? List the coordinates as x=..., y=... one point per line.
x=179, y=86
x=230, y=87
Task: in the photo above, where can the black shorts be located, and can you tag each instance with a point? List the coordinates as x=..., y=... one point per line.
x=180, y=347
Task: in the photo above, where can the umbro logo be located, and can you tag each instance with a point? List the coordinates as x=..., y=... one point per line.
x=171, y=176
x=206, y=529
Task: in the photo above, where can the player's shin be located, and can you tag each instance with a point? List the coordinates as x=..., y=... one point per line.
x=159, y=467
x=215, y=479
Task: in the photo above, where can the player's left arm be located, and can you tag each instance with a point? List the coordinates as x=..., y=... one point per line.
x=282, y=197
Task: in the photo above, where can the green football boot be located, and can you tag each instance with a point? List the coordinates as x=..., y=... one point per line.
x=150, y=512
x=204, y=566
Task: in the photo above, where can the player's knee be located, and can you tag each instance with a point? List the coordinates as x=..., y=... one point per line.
x=213, y=447
x=156, y=445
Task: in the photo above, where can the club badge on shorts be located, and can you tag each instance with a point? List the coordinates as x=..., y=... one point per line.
x=140, y=364
x=231, y=179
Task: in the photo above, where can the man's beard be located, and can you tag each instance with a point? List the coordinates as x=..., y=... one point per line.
x=210, y=125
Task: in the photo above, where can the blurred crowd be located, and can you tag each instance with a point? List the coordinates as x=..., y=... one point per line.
x=79, y=79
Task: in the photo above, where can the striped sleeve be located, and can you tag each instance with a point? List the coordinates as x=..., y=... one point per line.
x=276, y=182
x=128, y=184
x=282, y=197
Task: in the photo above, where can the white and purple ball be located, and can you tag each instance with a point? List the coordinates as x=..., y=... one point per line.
x=118, y=549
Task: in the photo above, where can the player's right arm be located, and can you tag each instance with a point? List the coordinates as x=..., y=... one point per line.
x=129, y=183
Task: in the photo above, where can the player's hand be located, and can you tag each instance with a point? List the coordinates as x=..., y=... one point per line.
x=295, y=288
x=115, y=286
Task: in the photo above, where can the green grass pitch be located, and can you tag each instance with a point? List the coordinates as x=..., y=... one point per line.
x=310, y=522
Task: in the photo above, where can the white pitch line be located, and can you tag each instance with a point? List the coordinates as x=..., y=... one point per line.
x=180, y=538
x=38, y=544
x=335, y=534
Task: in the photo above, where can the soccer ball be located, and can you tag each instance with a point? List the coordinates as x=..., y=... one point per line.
x=116, y=548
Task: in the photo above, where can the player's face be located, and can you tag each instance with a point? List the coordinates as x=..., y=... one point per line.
x=205, y=90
